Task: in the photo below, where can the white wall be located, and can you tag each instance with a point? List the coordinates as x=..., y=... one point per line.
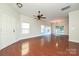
x=66, y=24
x=9, y=19
x=0, y=31
x=35, y=26
x=74, y=26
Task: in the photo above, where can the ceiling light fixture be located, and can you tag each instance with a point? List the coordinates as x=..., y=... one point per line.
x=65, y=8
x=19, y=5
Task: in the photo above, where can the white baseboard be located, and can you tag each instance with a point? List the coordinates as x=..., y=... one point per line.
x=74, y=41
x=2, y=47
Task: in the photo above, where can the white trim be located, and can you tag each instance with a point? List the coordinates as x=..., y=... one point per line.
x=19, y=40
x=74, y=41
x=2, y=47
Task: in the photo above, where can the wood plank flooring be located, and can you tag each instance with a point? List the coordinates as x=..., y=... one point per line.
x=42, y=46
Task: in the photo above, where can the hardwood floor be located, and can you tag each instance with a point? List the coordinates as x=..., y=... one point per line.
x=42, y=46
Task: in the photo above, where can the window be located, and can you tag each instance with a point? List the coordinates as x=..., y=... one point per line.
x=59, y=30
x=25, y=28
x=48, y=30
x=42, y=29
x=45, y=29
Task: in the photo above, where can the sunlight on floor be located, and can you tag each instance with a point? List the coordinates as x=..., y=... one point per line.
x=25, y=48
x=72, y=51
x=56, y=44
x=42, y=41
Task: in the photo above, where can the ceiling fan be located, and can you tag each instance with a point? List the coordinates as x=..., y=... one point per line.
x=39, y=16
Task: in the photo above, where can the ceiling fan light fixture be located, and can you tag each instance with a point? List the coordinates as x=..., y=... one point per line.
x=39, y=16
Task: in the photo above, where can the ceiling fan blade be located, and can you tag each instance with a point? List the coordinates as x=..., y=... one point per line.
x=35, y=18
x=43, y=17
x=34, y=15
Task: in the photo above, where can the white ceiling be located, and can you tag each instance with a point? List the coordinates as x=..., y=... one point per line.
x=50, y=10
